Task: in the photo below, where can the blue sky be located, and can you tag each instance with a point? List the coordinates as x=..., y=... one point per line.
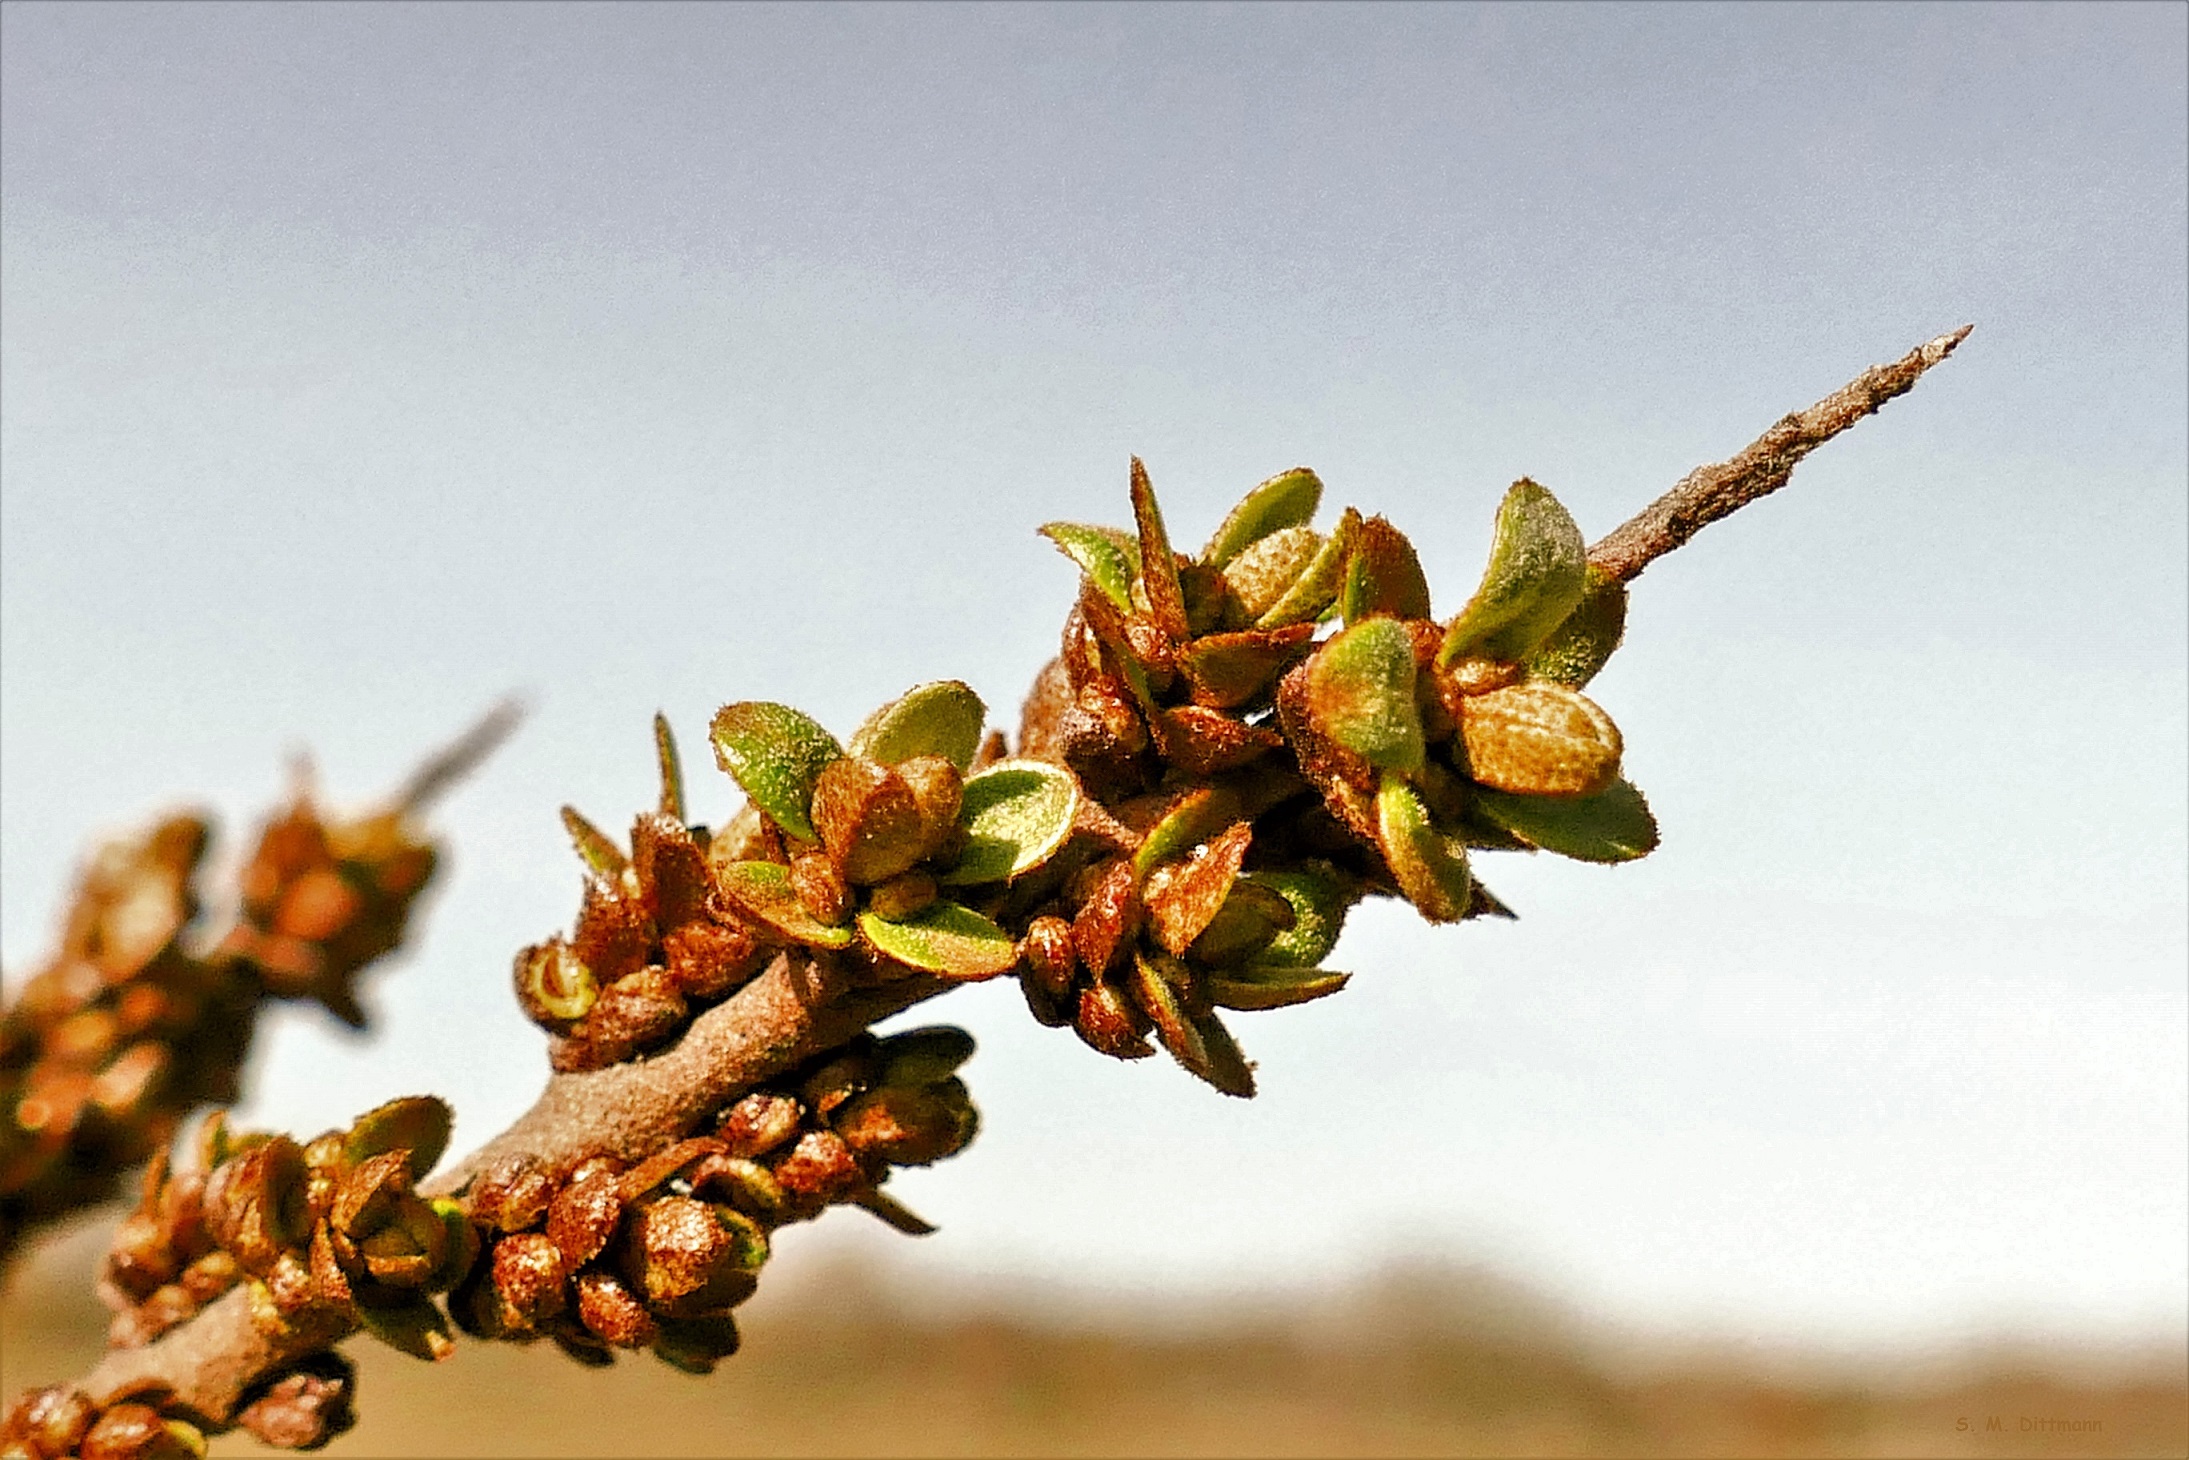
x=362, y=363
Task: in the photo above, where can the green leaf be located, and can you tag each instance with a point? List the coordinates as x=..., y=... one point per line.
x=943, y=718
x=926, y=1055
x=1272, y=986
x=1158, y=562
x=1202, y=1045
x=1319, y=904
x=1264, y=573
x=1537, y=738
x=1537, y=573
x=1383, y=576
x=672, y=768
x=1317, y=585
x=1017, y=814
x=419, y=1124
x=1614, y=825
x=763, y=889
x=944, y=938
x=416, y=1328
x=595, y=847
x=1360, y=693
x=1109, y=557
x=1580, y=646
x=1288, y=499
x=1196, y=817
x=776, y=754
x=1430, y=867
x=1228, y=670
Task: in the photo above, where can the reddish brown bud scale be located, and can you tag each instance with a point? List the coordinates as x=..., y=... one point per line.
x=529, y=1273
x=820, y=1168
x=1108, y=918
x=758, y=1124
x=709, y=961
x=1052, y=963
x=820, y=887
x=583, y=1217
x=1108, y=1021
x=612, y=1312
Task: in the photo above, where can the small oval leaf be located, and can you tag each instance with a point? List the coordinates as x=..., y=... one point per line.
x=1614, y=825
x=1261, y=576
x=1383, y=576
x=1360, y=693
x=1017, y=814
x=1108, y=557
x=1580, y=646
x=776, y=754
x=1317, y=585
x=1319, y=905
x=419, y=1124
x=764, y=890
x=944, y=938
x=944, y=718
x=1430, y=867
x=1273, y=986
x=1288, y=499
x=1537, y=738
x=1537, y=573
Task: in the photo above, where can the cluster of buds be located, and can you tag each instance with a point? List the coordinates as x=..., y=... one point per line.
x=335, y=1224
x=890, y=857
x=1270, y=781
x=119, y=1035
x=656, y=1255
x=135, y=1022
x=300, y=1408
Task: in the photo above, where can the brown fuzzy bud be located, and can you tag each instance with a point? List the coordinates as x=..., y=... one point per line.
x=909, y=1126
x=318, y=907
x=635, y=1013
x=819, y=1169
x=839, y=1078
x=141, y=1257
x=584, y=1215
x=1051, y=961
x=50, y=1422
x=868, y=820
x=610, y=1310
x=1108, y=918
x=613, y=933
x=820, y=888
x=511, y=1194
x=938, y=790
x=690, y=1257
x=254, y=1203
x=709, y=961
x=529, y=1272
x=306, y=1407
x=130, y=1431
x=1109, y=1021
x=758, y=1124
x=671, y=870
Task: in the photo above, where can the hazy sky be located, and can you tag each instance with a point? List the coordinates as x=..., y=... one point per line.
x=362, y=363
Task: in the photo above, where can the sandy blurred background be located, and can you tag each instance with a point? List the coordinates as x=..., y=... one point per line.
x=362, y=362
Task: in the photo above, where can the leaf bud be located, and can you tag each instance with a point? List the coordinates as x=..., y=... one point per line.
x=1109, y=917
x=868, y=821
x=691, y=1257
x=132, y=1431
x=612, y=1312
x=820, y=888
x=908, y=1125
x=758, y=1124
x=512, y=1193
x=840, y=1077
x=307, y=1406
x=1108, y=1021
x=254, y=1203
x=583, y=1216
x=746, y=1185
x=1051, y=964
x=711, y=960
x=633, y=1014
x=529, y=1273
x=50, y=1421
x=819, y=1169
x=1266, y=571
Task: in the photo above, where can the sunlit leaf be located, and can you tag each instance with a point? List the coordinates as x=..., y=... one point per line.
x=1272, y=986
x=764, y=890
x=1317, y=585
x=943, y=718
x=1288, y=499
x=1319, y=904
x=1537, y=573
x=1578, y=648
x=776, y=754
x=1158, y=562
x=1537, y=738
x=1360, y=692
x=1261, y=576
x=1017, y=814
x=1197, y=816
x=1614, y=825
x=419, y=1124
x=1111, y=559
x=1383, y=576
x=944, y=938
x=1431, y=868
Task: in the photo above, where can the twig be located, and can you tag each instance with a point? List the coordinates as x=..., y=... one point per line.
x=1710, y=492
x=798, y=1008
